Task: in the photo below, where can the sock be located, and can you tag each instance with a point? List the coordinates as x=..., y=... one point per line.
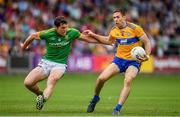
x=44, y=98
x=96, y=98
x=118, y=107
x=39, y=93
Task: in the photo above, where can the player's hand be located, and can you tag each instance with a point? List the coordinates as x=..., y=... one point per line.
x=22, y=46
x=88, y=32
x=142, y=59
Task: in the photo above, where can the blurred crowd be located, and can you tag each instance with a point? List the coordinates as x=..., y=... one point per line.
x=19, y=18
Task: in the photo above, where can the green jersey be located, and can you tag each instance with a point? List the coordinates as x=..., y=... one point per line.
x=58, y=47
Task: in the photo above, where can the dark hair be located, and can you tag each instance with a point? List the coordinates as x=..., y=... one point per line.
x=60, y=20
x=122, y=11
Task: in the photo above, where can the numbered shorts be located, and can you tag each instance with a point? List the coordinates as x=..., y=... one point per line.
x=47, y=66
x=123, y=64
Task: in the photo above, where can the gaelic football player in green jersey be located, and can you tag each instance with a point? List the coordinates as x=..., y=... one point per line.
x=53, y=64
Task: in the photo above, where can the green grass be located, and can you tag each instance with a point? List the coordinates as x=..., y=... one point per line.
x=151, y=95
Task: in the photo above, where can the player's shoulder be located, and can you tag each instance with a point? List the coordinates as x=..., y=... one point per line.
x=133, y=25
x=51, y=30
x=48, y=30
x=113, y=28
x=46, y=33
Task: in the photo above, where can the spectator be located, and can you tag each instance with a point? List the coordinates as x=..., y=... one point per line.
x=161, y=19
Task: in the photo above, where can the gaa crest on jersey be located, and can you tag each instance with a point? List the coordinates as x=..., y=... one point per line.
x=122, y=33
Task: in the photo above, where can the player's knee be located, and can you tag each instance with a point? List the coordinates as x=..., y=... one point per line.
x=101, y=79
x=27, y=83
x=128, y=81
x=56, y=79
x=53, y=80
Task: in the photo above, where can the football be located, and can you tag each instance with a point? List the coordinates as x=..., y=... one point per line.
x=137, y=51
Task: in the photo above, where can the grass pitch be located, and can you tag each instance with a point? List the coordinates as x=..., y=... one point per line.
x=151, y=95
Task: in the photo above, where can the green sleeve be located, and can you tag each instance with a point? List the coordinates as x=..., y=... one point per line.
x=75, y=34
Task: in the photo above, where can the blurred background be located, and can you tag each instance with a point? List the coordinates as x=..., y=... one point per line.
x=154, y=92
x=19, y=18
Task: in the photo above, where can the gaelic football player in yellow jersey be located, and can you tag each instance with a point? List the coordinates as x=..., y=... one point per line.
x=127, y=36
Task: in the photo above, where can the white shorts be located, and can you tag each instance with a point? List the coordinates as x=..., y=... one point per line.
x=49, y=65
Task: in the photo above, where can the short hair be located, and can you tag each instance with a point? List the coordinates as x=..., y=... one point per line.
x=60, y=20
x=122, y=11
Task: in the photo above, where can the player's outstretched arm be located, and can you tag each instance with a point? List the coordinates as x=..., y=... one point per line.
x=88, y=39
x=29, y=40
x=102, y=39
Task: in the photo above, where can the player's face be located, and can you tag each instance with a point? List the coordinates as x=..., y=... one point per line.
x=119, y=19
x=62, y=29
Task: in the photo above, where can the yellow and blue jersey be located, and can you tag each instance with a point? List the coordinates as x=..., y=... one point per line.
x=126, y=39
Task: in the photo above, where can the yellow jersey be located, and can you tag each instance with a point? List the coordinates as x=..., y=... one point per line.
x=126, y=39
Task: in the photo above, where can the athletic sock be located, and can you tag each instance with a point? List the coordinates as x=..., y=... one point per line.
x=45, y=98
x=95, y=98
x=39, y=93
x=118, y=107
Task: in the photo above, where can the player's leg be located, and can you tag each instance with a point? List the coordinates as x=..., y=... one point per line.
x=130, y=74
x=55, y=74
x=36, y=75
x=111, y=70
